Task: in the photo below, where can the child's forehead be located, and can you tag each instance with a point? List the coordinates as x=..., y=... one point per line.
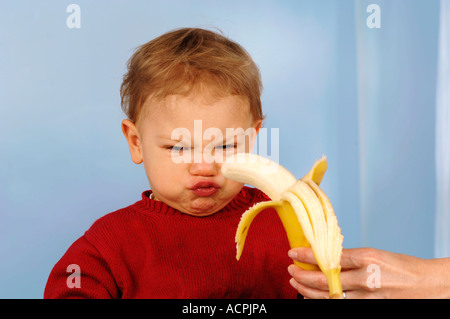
x=173, y=105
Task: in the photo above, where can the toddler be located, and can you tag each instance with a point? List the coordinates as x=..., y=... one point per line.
x=180, y=91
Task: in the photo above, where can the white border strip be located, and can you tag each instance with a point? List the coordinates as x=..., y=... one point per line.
x=442, y=218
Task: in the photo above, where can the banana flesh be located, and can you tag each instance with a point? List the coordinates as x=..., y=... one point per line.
x=304, y=209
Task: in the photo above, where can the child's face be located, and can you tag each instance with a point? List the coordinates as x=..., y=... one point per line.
x=191, y=183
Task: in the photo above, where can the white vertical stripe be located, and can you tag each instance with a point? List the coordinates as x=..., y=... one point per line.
x=442, y=237
x=363, y=92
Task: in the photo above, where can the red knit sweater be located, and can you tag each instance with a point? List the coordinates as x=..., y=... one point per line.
x=150, y=250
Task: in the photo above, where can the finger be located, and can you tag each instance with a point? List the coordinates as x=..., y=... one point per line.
x=354, y=279
x=316, y=280
x=309, y=278
x=303, y=254
x=306, y=287
x=313, y=284
x=348, y=260
x=308, y=292
x=357, y=294
x=357, y=257
x=353, y=274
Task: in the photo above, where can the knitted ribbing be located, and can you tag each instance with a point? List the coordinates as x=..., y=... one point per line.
x=151, y=250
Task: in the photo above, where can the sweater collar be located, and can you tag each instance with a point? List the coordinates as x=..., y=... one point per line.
x=245, y=198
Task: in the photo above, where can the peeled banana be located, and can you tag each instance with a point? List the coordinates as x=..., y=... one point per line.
x=304, y=209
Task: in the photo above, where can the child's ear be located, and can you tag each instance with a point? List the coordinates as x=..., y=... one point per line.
x=256, y=125
x=131, y=133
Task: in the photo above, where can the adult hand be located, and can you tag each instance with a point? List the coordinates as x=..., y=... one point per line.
x=374, y=273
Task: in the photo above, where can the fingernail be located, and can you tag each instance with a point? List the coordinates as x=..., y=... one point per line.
x=293, y=283
x=292, y=254
x=291, y=272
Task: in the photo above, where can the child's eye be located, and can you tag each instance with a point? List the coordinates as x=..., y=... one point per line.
x=176, y=148
x=227, y=146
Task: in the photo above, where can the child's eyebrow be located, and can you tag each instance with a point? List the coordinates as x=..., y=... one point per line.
x=230, y=138
x=166, y=137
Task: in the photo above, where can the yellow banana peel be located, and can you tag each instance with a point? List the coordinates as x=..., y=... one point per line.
x=304, y=209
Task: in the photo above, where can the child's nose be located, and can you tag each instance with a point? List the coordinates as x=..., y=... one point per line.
x=203, y=169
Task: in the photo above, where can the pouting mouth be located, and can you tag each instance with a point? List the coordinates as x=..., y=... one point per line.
x=205, y=184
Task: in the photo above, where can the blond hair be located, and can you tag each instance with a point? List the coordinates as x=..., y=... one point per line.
x=177, y=61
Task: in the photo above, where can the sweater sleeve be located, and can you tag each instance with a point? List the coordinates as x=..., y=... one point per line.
x=81, y=273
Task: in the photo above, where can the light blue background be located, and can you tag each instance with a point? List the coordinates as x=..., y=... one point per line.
x=364, y=97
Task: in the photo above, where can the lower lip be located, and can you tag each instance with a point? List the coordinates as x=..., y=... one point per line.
x=205, y=191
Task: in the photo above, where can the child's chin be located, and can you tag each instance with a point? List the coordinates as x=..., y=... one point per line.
x=203, y=206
